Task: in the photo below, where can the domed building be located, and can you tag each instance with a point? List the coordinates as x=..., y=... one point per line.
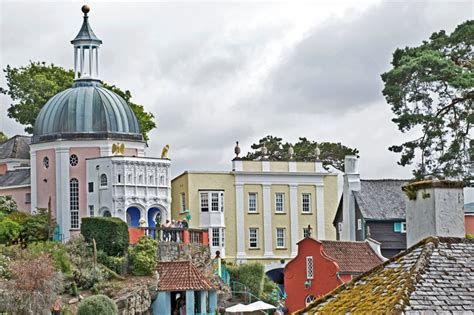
x=88, y=155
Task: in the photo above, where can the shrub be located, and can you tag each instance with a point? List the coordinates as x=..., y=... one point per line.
x=251, y=275
x=57, y=251
x=97, y=304
x=9, y=231
x=33, y=285
x=7, y=204
x=114, y=263
x=110, y=234
x=36, y=227
x=18, y=217
x=143, y=256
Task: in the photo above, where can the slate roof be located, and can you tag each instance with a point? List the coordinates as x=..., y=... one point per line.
x=17, y=147
x=381, y=199
x=436, y=275
x=180, y=276
x=86, y=33
x=352, y=257
x=15, y=178
x=469, y=207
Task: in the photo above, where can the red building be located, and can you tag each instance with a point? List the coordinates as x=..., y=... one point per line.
x=321, y=266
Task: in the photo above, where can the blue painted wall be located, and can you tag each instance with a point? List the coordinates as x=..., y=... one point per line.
x=133, y=213
x=162, y=304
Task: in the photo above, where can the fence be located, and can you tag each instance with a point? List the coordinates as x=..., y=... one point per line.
x=172, y=235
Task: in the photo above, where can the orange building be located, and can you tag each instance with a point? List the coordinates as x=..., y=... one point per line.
x=321, y=266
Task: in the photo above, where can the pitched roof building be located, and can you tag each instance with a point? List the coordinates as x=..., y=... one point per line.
x=436, y=275
x=321, y=266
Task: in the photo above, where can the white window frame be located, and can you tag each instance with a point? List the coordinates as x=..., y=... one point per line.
x=252, y=202
x=280, y=237
x=215, y=237
x=279, y=204
x=74, y=202
x=103, y=180
x=253, y=238
x=183, y=201
x=91, y=210
x=27, y=198
x=308, y=203
x=309, y=268
x=359, y=224
x=403, y=227
x=213, y=204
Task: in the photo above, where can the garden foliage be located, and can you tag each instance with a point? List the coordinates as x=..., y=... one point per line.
x=251, y=275
x=143, y=256
x=97, y=304
x=110, y=234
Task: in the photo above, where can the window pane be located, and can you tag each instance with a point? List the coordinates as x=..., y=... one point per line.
x=280, y=237
x=253, y=238
x=215, y=201
x=215, y=237
x=74, y=202
x=306, y=202
x=309, y=267
x=204, y=202
x=183, y=201
x=279, y=202
x=103, y=180
x=252, y=202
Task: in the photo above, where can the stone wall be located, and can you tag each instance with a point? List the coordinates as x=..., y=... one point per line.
x=198, y=254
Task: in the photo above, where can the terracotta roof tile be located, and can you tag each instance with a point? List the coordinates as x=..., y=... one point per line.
x=352, y=257
x=180, y=276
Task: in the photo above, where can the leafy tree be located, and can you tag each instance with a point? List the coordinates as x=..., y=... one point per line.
x=430, y=88
x=31, y=86
x=7, y=205
x=3, y=137
x=9, y=231
x=304, y=150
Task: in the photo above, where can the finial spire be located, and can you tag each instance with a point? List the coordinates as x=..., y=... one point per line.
x=86, y=46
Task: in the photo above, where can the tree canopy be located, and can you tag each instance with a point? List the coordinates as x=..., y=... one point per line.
x=31, y=86
x=431, y=88
x=331, y=154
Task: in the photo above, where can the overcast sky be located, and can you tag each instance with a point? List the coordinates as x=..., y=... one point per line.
x=213, y=73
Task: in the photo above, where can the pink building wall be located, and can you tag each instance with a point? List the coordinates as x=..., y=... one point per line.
x=46, y=179
x=130, y=152
x=80, y=172
x=19, y=195
x=469, y=223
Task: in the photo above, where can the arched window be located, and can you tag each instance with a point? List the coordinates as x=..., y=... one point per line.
x=107, y=213
x=309, y=299
x=74, y=202
x=103, y=180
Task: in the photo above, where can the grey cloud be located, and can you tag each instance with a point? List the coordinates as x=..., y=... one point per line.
x=337, y=66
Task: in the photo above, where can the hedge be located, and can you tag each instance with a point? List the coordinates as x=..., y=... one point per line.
x=110, y=234
x=252, y=275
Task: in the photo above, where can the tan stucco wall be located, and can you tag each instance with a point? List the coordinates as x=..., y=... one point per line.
x=252, y=166
x=278, y=166
x=305, y=167
x=330, y=203
x=179, y=185
x=253, y=219
x=307, y=218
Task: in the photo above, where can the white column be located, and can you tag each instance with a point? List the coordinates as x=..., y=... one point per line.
x=265, y=166
x=294, y=218
x=239, y=220
x=81, y=59
x=267, y=221
x=75, y=63
x=90, y=61
x=320, y=211
x=97, y=62
x=34, y=198
x=63, y=213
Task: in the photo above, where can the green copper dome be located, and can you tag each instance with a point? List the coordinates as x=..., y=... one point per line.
x=86, y=111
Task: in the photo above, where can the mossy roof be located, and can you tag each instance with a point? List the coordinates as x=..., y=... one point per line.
x=435, y=275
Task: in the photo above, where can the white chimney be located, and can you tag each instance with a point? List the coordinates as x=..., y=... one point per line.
x=434, y=208
x=351, y=184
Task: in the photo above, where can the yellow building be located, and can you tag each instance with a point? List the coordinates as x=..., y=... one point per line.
x=259, y=210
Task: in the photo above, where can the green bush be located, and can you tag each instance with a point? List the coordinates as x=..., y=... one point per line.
x=57, y=251
x=9, y=231
x=143, y=256
x=110, y=234
x=114, y=263
x=251, y=275
x=97, y=304
x=36, y=227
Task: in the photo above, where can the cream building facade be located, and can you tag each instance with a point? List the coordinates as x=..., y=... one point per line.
x=260, y=209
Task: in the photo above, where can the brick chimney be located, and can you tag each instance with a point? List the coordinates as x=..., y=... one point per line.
x=434, y=208
x=351, y=184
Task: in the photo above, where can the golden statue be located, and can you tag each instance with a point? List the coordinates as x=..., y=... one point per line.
x=118, y=149
x=164, y=152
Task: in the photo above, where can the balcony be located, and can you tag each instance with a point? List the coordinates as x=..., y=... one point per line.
x=170, y=235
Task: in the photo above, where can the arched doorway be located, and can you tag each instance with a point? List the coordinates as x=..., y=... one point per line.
x=155, y=216
x=277, y=276
x=133, y=217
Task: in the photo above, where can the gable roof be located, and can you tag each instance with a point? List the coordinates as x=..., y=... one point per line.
x=17, y=147
x=352, y=257
x=180, y=276
x=381, y=199
x=435, y=275
x=18, y=177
